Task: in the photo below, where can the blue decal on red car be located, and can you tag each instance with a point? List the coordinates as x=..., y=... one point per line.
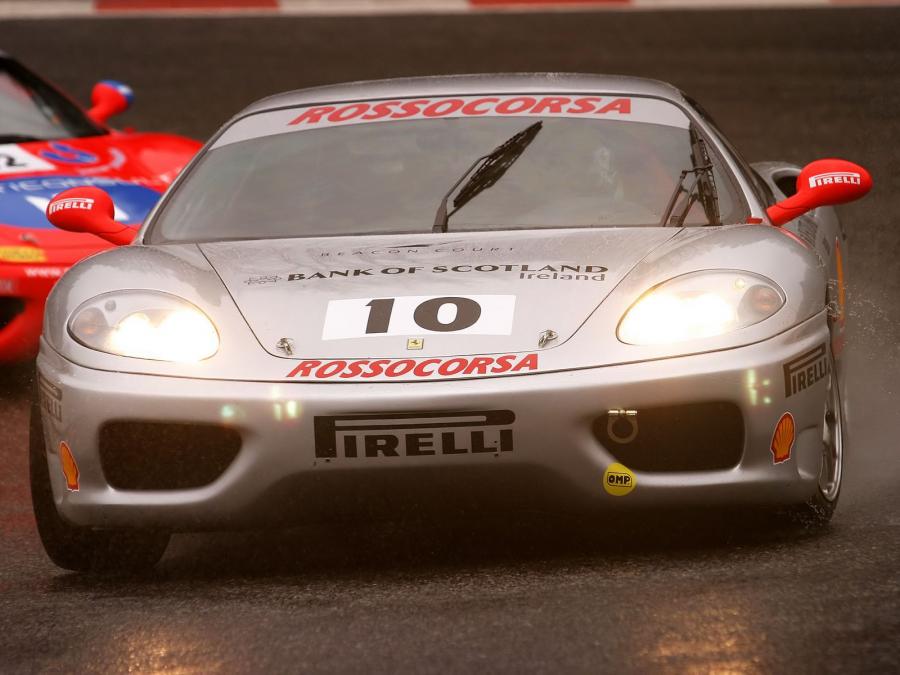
x=122, y=88
x=23, y=201
x=66, y=154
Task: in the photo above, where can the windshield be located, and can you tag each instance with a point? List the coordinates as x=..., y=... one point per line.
x=360, y=170
x=32, y=110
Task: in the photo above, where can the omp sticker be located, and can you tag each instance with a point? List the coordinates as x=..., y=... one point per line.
x=618, y=480
x=418, y=434
x=454, y=366
x=22, y=254
x=783, y=439
x=610, y=107
x=69, y=467
x=832, y=177
x=14, y=159
x=418, y=314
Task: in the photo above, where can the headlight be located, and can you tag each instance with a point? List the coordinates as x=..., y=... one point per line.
x=145, y=325
x=700, y=305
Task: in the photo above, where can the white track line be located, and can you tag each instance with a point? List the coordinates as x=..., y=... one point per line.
x=14, y=9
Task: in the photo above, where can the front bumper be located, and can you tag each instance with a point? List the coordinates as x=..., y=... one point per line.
x=277, y=467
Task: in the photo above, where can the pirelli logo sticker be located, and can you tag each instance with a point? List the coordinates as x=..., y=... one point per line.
x=82, y=203
x=832, y=177
x=805, y=370
x=416, y=434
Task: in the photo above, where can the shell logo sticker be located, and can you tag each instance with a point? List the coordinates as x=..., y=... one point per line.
x=783, y=439
x=618, y=480
x=69, y=467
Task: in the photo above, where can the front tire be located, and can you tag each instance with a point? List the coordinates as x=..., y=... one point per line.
x=83, y=549
x=818, y=510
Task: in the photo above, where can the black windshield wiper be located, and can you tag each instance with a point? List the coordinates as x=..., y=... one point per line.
x=704, y=184
x=490, y=169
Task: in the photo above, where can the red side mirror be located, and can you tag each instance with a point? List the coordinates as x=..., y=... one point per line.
x=109, y=98
x=89, y=210
x=824, y=182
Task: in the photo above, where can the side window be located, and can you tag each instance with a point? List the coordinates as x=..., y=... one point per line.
x=787, y=184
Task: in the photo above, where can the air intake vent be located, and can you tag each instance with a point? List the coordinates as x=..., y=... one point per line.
x=693, y=437
x=165, y=456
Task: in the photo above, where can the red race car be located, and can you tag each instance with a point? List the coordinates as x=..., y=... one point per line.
x=49, y=144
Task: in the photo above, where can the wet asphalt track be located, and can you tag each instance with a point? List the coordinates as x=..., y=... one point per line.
x=687, y=592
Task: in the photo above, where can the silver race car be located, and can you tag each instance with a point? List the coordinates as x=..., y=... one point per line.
x=481, y=290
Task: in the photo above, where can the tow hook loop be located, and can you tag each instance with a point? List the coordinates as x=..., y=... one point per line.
x=622, y=425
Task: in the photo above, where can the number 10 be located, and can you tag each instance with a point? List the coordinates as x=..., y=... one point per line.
x=426, y=314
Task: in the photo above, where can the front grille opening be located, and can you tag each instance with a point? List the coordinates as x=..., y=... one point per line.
x=10, y=308
x=690, y=437
x=165, y=456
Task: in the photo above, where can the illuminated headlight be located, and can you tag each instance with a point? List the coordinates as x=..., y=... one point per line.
x=700, y=305
x=145, y=325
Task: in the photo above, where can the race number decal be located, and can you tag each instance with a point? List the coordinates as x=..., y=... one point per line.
x=419, y=315
x=14, y=159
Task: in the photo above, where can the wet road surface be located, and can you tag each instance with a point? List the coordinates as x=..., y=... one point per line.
x=686, y=591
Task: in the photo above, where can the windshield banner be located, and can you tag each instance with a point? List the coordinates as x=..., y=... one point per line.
x=617, y=108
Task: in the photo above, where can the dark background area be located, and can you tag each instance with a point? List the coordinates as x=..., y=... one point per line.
x=672, y=592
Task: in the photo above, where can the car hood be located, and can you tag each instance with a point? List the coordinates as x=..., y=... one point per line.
x=409, y=296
